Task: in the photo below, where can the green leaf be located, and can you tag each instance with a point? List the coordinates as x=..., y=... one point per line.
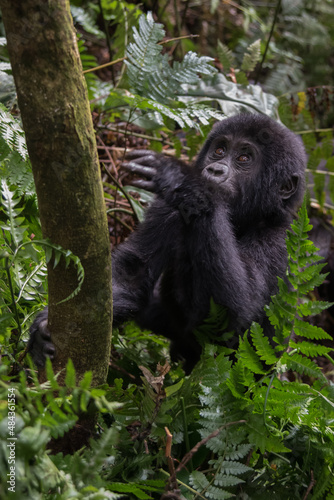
x=296, y=362
x=172, y=389
x=50, y=375
x=198, y=480
x=304, y=329
x=263, y=348
x=310, y=349
x=225, y=56
x=150, y=74
x=237, y=381
x=252, y=56
x=249, y=357
x=129, y=488
x=234, y=468
x=70, y=378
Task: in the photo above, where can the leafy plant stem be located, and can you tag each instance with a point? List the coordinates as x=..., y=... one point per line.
x=122, y=210
x=330, y=359
x=186, y=436
x=266, y=398
x=278, y=6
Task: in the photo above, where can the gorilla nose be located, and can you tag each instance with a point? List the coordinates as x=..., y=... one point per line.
x=217, y=170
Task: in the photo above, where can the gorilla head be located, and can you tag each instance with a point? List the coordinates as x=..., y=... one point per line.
x=257, y=163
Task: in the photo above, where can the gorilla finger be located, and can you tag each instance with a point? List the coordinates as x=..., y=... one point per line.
x=43, y=329
x=131, y=166
x=138, y=153
x=150, y=160
x=147, y=185
x=49, y=350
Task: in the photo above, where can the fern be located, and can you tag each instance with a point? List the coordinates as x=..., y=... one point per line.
x=276, y=413
x=149, y=72
x=285, y=313
x=251, y=57
x=14, y=163
x=23, y=275
x=158, y=83
x=217, y=412
x=42, y=411
x=225, y=56
x=186, y=116
x=12, y=133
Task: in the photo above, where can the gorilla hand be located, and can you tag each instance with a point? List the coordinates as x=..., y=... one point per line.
x=40, y=346
x=172, y=180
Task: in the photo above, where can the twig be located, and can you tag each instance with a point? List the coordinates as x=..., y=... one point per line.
x=121, y=59
x=310, y=486
x=192, y=452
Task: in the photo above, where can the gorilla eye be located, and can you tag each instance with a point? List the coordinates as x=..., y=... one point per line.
x=243, y=158
x=220, y=151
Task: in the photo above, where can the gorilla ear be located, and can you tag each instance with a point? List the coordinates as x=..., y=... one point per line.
x=289, y=188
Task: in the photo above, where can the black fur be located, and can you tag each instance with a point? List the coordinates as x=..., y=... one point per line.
x=216, y=230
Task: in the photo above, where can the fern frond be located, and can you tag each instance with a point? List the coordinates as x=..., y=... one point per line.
x=187, y=70
x=261, y=343
x=252, y=56
x=234, y=468
x=249, y=357
x=12, y=133
x=324, y=485
x=198, y=480
x=143, y=54
x=224, y=480
x=14, y=221
x=185, y=116
x=296, y=362
x=313, y=307
x=311, y=350
x=57, y=252
x=304, y=329
x=225, y=56
x=150, y=74
x=87, y=20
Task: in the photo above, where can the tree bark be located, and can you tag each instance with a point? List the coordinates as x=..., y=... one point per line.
x=56, y=117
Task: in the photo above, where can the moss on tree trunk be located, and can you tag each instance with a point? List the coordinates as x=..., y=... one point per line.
x=60, y=137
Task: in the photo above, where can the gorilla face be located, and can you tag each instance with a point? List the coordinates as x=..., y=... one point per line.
x=231, y=161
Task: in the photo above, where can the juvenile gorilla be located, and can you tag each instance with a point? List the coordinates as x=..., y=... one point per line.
x=215, y=230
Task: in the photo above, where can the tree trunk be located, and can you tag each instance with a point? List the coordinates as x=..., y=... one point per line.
x=56, y=117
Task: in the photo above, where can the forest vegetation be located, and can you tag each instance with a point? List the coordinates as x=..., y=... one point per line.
x=252, y=422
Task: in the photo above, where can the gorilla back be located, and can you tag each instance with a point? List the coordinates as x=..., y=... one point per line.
x=215, y=230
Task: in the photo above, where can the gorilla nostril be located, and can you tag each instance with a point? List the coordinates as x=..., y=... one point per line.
x=217, y=171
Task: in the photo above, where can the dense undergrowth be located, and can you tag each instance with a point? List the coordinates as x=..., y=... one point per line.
x=246, y=424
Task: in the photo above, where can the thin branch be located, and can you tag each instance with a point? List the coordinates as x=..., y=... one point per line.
x=192, y=452
x=278, y=6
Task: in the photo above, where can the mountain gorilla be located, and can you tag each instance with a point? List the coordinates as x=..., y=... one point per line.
x=216, y=230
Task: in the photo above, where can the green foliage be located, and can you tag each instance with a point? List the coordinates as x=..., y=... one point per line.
x=250, y=59
x=150, y=74
x=14, y=162
x=41, y=412
x=252, y=56
x=23, y=271
x=155, y=84
x=225, y=56
x=259, y=433
x=123, y=16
